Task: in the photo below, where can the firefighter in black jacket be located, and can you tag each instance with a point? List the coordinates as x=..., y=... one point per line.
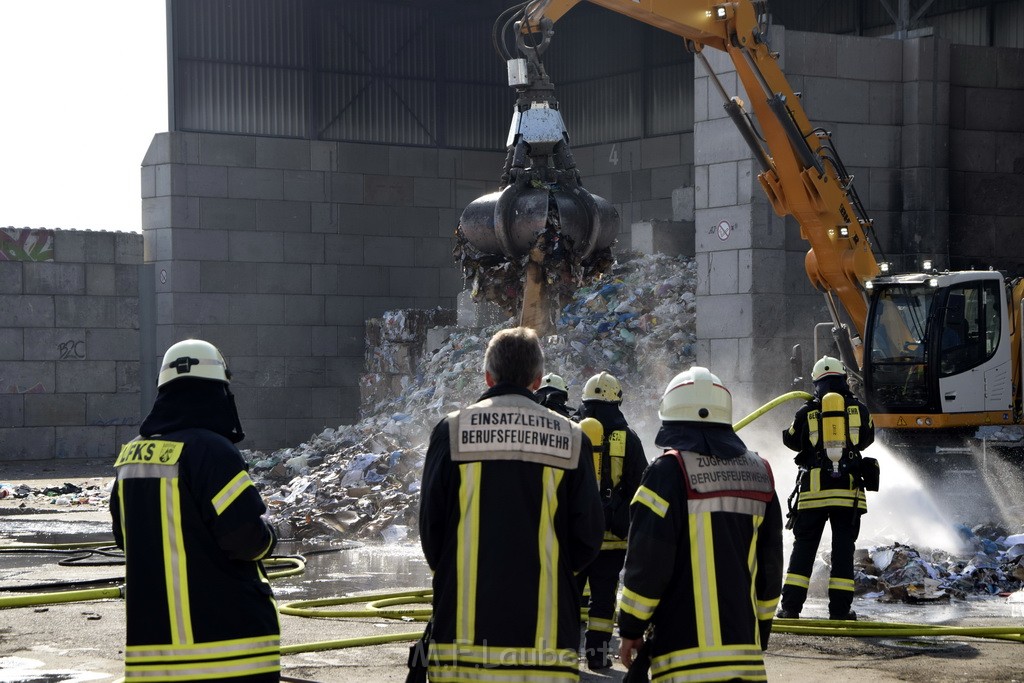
x=198, y=603
x=828, y=433
x=553, y=393
x=619, y=463
x=508, y=513
x=704, y=566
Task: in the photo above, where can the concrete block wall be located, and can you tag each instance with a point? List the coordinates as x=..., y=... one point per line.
x=641, y=178
x=754, y=299
x=279, y=250
x=69, y=343
x=986, y=139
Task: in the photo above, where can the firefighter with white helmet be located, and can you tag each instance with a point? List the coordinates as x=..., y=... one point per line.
x=553, y=394
x=619, y=463
x=704, y=565
x=828, y=433
x=198, y=602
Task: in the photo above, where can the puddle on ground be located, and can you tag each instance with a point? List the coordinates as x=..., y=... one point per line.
x=368, y=567
x=22, y=670
x=31, y=529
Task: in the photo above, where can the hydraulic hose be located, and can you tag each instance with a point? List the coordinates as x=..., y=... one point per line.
x=775, y=402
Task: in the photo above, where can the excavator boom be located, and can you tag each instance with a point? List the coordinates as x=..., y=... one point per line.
x=801, y=176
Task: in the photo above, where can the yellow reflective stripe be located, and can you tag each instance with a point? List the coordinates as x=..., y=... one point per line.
x=463, y=674
x=840, y=584
x=138, y=654
x=120, y=513
x=640, y=607
x=175, y=566
x=743, y=506
x=143, y=471
x=598, y=624
x=451, y=654
x=797, y=580
x=742, y=658
x=752, y=568
x=765, y=611
x=547, y=595
x=652, y=500
x=466, y=554
x=232, y=668
x=815, y=481
x=231, y=490
x=702, y=564
x=613, y=542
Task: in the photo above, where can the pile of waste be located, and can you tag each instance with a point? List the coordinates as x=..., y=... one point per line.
x=992, y=563
x=67, y=494
x=362, y=480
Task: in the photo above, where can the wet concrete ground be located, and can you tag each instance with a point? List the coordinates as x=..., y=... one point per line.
x=82, y=641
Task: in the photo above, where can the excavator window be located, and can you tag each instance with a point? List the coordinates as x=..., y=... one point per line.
x=899, y=352
x=970, y=327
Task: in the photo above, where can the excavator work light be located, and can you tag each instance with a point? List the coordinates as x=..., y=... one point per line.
x=933, y=282
x=720, y=12
x=869, y=284
x=884, y=267
x=927, y=265
x=844, y=232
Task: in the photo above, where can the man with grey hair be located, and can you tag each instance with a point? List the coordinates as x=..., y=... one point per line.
x=508, y=513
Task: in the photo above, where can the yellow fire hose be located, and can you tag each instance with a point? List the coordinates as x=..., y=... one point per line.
x=775, y=402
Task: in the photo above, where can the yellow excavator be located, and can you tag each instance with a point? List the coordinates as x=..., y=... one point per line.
x=930, y=351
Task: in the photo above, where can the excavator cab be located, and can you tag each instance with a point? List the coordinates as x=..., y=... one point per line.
x=938, y=350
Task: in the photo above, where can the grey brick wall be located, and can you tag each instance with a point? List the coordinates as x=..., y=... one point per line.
x=986, y=149
x=278, y=251
x=69, y=343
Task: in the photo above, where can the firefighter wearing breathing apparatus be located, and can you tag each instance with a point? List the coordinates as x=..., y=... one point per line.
x=198, y=602
x=619, y=463
x=553, y=394
x=828, y=433
x=704, y=565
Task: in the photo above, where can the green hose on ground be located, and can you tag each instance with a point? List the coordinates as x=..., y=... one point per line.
x=878, y=629
x=59, y=597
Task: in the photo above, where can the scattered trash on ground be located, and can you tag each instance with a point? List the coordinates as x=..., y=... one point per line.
x=991, y=564
x=67, y=495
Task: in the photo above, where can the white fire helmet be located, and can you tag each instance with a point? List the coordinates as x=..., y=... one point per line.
x=696, y=396
x=553, y=381
x=603, y=387
x=828, y=367
x=193, y=358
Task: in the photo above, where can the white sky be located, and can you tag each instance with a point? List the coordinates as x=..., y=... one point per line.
x=83, y=90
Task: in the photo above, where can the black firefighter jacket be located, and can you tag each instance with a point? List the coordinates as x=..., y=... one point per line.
x=508, y=513
x=199, y=606
x=818, y=488
x=623, y=464
x=704, y=563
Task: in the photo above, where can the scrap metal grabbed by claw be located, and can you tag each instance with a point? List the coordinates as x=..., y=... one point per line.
x=541, y=225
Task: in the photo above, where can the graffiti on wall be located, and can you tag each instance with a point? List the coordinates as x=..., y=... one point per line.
x=71, y=349
x=6, y=388
x=26, y=245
